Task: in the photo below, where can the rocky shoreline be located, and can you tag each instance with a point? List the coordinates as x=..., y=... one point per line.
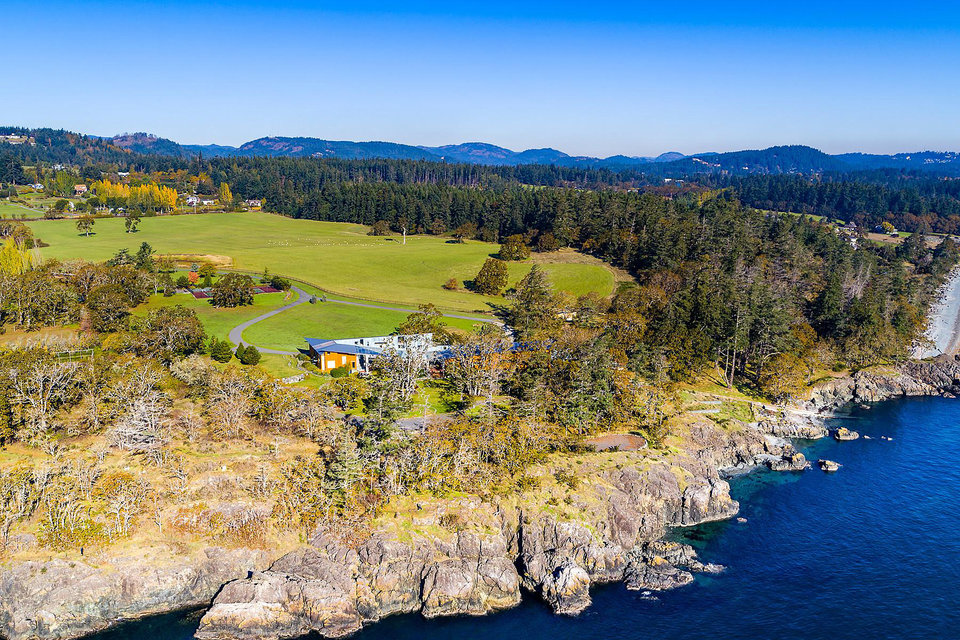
x=623, y=508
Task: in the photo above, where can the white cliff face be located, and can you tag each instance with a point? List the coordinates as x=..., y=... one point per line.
x=943, y=327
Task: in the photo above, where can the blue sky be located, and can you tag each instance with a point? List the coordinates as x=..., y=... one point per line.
x=592, y=78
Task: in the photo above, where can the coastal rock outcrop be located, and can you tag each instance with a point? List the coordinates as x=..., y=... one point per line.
x=828, y=465
x=606, y=535
x=64, y=599
x=790, y=462
x=624, y=512
x=843, y=434
x=567, y=589
x=334, y=590
x=940, y=376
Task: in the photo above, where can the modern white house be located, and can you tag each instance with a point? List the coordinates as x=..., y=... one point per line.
x=357, y=354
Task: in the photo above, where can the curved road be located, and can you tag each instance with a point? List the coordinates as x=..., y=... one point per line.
x=236, y=334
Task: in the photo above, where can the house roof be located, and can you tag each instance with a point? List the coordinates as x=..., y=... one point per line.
x=331, y=346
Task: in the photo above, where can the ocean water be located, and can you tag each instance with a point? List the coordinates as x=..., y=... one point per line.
x=869, y=552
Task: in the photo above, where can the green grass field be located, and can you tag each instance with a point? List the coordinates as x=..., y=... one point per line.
x=339, y=257
x=287, y=330
x=216, y=321
x=13, y=210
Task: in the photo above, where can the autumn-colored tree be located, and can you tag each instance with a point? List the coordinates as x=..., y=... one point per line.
x=784, y=377
x=15, y=258
x=225, y=196
x=465, y=231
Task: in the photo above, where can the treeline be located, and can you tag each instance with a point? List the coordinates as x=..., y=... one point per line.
x=907, y=199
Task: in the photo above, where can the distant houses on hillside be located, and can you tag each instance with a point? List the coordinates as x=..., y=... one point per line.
x=17, y=139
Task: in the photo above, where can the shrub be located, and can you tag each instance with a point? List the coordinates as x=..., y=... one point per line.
x=452, y=284
x=379, y=228
x=279, y=283
x=220, y=350
x=565, y=477
x=514, y=248
x=340, y=372
x=251, y=356
x=183, y=282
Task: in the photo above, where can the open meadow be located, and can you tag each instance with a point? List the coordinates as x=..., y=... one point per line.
x=339, y=257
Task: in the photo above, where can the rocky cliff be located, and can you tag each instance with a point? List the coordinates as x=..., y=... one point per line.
x=63, y=599
x=940, y=376
x=612, y=531
x=554, y=543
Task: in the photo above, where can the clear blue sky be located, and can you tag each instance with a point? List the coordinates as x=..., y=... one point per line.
x=590, y=77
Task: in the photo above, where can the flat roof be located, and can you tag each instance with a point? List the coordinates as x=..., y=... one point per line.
x=331, y=346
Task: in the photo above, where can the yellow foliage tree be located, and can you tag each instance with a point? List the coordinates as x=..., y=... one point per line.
x=15, y=258
x=226, y=196
x=106, y=189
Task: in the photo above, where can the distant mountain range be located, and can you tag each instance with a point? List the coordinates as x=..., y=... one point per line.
x=468, y=152
x=772, y=161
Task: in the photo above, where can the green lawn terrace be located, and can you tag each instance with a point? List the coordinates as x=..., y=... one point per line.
x=340, y=258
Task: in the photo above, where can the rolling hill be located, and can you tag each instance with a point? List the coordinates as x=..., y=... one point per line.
x=58, y=145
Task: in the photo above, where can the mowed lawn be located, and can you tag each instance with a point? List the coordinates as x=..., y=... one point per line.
x=216, y=321
x=287, y=330
x=339, y=257
x=14, y=210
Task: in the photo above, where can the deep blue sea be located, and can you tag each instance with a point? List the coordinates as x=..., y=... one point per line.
x=869, y=552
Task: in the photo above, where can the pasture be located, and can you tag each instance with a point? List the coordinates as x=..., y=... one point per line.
x=339, y=257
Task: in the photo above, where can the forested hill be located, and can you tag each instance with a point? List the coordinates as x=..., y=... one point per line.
x=791, y=179
x=910, y=200
x=795, y=159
